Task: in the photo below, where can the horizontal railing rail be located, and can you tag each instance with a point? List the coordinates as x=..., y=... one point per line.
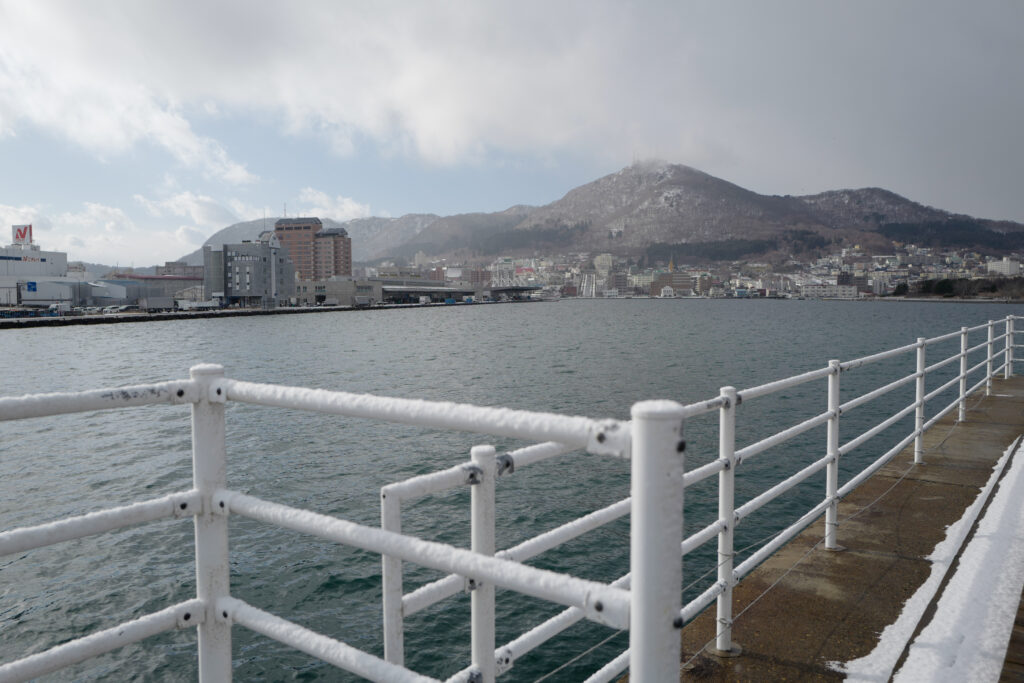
x=42, y=535
x=183, y=615
x=595, y=436
x=650, y=607
x=46, y=405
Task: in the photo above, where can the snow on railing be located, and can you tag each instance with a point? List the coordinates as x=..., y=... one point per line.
x=649, y=607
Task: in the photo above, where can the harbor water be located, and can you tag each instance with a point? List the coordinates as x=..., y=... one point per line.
x=584, y=357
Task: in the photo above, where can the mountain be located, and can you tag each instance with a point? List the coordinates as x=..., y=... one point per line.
x=233, y=234
x=374, y=238
x=655, y=209
x=866, y=209
x=659, y=209
x=649, y=203
x=465, y=235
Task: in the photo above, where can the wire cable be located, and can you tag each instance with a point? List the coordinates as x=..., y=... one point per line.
x=579, y=656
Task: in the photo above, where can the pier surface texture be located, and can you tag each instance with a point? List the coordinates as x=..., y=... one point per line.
x=830, y=607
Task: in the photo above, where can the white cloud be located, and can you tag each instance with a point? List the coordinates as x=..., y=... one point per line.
x=776, y=97
x=103, y=234
x=201, y=209
x=189, y=235
x=11, y=215
x=317, y=203
x=68, y=89
x=444, y=82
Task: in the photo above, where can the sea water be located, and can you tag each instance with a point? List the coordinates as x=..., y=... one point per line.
x=584, y=357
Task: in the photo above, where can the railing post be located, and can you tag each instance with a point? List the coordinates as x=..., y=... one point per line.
x=919, y=412
x=391, y=582
x=832, y=450
x=1008, y=369
x=656, y=532
x=991, y=356
x=482, y=517
x=211, y=529
x=961, y=414
x=727, y=511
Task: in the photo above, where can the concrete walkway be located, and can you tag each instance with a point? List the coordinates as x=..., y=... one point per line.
x=832, y=606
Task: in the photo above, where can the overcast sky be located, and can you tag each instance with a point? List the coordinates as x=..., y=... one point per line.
x=130, y=131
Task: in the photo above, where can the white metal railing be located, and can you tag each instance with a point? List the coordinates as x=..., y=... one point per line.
x=650, y=607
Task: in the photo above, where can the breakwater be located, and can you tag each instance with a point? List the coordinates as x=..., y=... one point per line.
x=142, y=317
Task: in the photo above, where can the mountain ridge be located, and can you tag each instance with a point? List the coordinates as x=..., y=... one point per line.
x=653, y=204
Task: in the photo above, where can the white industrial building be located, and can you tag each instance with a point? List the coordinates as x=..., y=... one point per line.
x=1005, y=267
x=31, y=276
x=829, y=291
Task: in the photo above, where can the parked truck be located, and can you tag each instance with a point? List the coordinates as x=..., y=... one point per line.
x=156, y=303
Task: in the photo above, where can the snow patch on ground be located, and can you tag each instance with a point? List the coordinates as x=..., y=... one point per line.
x=878, y=665
x=967, y=638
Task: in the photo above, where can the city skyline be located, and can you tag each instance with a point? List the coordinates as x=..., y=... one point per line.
x=133, y=132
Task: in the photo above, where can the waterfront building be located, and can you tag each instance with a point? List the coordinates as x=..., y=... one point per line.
x=297, y=236
x=170, y=285
x=250, y=274
x=315, y=252
x=829, y=291
x=338, y=291
x=332, y=253
x=1004, y=267
x=392, y=271
x=618, y=281
x=31, y=276
x=479, y=277
x=16, y=261
x=681, y=283
x=179, y=269
x=641, y=282
x=346, y=291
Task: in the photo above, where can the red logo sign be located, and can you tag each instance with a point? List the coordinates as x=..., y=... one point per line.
x=22, y=234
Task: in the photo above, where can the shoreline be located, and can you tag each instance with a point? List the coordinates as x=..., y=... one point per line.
x=137, y=317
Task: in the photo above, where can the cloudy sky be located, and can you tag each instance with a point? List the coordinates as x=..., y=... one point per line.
x=132, y=130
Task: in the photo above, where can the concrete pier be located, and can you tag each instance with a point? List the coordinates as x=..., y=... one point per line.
x=829, y=607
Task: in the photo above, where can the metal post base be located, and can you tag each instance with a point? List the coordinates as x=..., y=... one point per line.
x=734, y=651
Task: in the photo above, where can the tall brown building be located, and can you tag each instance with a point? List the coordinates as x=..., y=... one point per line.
x=316, y=253
x=296, y=235
x=332, y=253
